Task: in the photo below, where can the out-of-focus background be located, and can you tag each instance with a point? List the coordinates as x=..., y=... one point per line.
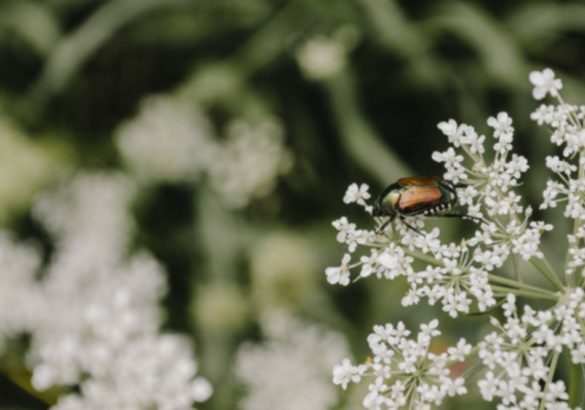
x=218, y=138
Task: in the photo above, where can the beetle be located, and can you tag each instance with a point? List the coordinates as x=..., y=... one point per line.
x=410, y=196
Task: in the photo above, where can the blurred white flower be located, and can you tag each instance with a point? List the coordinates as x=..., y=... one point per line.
x=324, y=56
x=544, y=83
x=171, y=141
x=291, y=369
x=19, y=295
x=168, y=141
x=89, y=314
x=282, y=268
x=89, y=213
x=98, y=323
x=321, y=57
x=148, y=372
x=248, y=163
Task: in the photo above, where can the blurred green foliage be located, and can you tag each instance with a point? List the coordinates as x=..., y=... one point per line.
x=73, y=70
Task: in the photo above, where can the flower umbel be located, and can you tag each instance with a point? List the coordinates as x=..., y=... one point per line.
x=520, y=357
x=405, y=371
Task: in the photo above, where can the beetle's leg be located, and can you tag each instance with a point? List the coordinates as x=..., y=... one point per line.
x=462, y=216
x=409, y=226
x=385, y=224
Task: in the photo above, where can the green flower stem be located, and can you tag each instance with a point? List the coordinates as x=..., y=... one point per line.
x=572, y=279
x=503, y=281
x=544, y=268
x=521, y=285
x=575, y=384
x=551, y=373
x=526, y=293
x=424, y=257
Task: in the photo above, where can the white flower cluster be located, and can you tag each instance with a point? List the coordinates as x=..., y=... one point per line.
x=146, y=372
x=521, y=356
x=291, y=369
x=405, y=372
x=93, y=315
x=567, y=122
x=172, y=141
x=247, y=164
x=168, y=141
x=456, y=274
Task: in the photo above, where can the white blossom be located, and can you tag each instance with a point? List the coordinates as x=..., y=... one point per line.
x=246, y=166
x=96, y=328
x=169, y=140
x=404, y=370
x=544, y=83
x=290, y=370
x=521, y=355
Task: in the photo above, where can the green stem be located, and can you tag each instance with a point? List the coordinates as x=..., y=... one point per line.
x=520, y=285
x=424, y=257
x=572, y=280
x=575, y=384
x=551, y=373
x=525, y=293
x=544, y=268
x=515, y=265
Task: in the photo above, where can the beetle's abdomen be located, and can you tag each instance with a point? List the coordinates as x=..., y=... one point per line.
x=417, y=199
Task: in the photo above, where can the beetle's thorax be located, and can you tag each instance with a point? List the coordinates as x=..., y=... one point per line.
x=386, y=205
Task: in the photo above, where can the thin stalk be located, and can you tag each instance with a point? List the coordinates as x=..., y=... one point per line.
x=575, y=384
x=577, y=222
x=546, y=271
x=424, y=257
x=526, y=293
x=519, y=285
x=516, y=272
x=551, y=373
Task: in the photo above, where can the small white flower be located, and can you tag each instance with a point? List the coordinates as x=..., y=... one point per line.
x=345, y=373
x=502, y=125
x=357, y=193
x=339, y=274
x=544, y=83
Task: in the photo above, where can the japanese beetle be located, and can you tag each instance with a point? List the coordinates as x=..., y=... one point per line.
x=431, y=196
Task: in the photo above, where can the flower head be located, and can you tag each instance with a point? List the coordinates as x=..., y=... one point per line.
x=544, y=83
